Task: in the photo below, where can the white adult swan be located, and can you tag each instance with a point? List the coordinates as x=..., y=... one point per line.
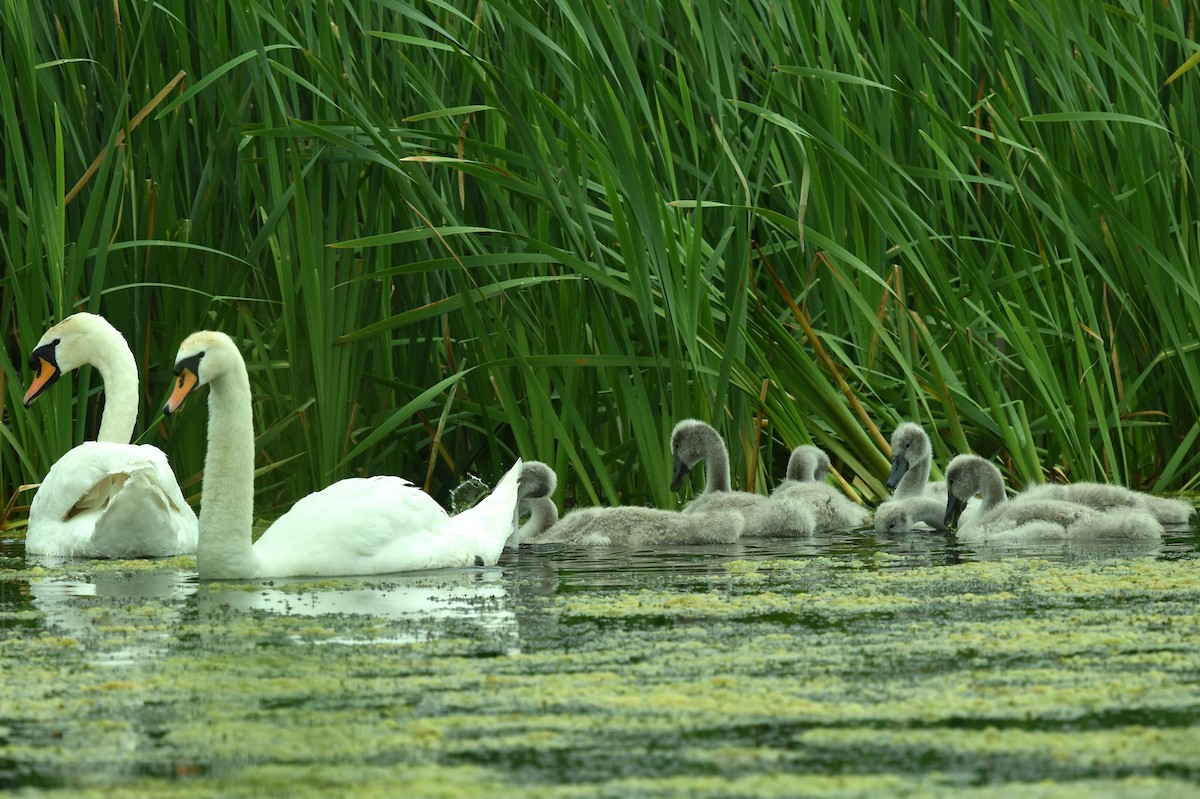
x=805, y=485
x=996, y=518
x=914, y=500
x=693, y=441
x=370, y=525
x=105, y=498
x=621, y=526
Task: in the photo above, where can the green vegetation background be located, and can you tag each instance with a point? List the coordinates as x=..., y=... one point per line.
x=452, y=233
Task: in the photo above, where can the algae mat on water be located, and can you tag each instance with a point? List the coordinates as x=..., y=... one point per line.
x=818, y=676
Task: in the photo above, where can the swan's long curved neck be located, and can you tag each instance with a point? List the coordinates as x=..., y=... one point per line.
x=118, y=371
x=992, y=492
x=913, y=483
x=227, y=508
x=716, y=467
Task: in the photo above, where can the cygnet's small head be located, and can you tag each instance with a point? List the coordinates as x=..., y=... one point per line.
x=691, y=441
x=966, y=476
x=537, y=480
x=77, y=340
x=892, y=517
x=910, y=445
x=808, y=464
x=204, y=357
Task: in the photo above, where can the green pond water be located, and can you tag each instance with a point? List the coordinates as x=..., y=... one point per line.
x=849, y=665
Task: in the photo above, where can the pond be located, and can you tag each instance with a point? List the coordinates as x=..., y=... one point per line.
x=846, y=665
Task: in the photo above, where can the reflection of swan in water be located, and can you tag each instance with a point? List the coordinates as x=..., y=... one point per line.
x=72, y=604
x=68, y=603
x=428, y=599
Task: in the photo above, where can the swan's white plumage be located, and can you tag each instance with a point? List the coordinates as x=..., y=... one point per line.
x=371, y=525
x=805, y=486
x=106, y=498
x=693, y=441
x=996, y=519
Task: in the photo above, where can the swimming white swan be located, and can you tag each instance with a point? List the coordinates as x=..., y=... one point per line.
x=538, y=482
x=914, y=500
x=808, y=466
x=1104, y=496
x=693, y=441
x=996, y=518
x=105, y=498
x=370, y=525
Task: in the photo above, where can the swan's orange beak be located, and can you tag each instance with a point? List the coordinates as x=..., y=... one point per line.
x=184, y=384
x=47, y=373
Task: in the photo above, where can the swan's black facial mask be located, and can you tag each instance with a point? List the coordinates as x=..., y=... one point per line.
x=187, y=371
x=44, y=362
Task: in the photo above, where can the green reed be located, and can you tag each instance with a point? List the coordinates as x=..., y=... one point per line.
x=451, y=234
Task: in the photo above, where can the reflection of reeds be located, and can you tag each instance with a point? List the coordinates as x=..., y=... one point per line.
x=581, y=223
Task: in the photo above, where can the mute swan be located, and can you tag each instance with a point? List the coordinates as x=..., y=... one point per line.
x=105, y=498
x=633, y=525
x=1026, y=519
x=805, y=484
x=619, y=526
x=899, y=515
x=808, y=464
x=1104, y=496
x=912, y=458
x=538, y=482
x=914, y=500
x=693, y=441
x=368, y=525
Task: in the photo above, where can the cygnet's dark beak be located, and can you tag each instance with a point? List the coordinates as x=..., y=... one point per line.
x=954, y=509
x=899, y=469
x=681, y=472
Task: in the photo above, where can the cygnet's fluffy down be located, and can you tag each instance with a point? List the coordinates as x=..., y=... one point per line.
x=914, y=499
x=995, y=518
x=538, y=482
x=805, y=488
x=612, y=527
x=693, y=441
x=1108, y=496
x=902, y=515
x=632, y=525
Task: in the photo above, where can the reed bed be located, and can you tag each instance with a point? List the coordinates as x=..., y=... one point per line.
x=453, y=233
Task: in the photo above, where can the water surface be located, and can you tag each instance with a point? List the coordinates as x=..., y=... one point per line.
x=847, y=665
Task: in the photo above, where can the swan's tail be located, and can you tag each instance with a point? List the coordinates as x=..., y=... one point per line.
x=1118, y=524
x=1168, y=511
x=489, y=524
x=137, y=522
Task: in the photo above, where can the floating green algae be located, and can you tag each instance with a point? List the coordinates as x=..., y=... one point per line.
x=852, y=675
